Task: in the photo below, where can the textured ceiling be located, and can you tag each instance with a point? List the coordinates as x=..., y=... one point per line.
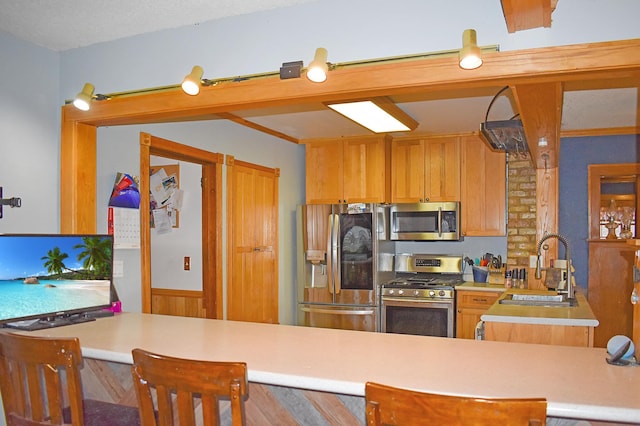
x=66, y=24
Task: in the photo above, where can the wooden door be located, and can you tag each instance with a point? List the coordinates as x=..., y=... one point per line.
x=365, y=170
x=324, y=183
x=442, y=169
x=407, y=171
x=483, y=189
x=252, y=205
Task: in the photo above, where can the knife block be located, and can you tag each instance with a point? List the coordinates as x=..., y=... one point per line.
x=496, y=275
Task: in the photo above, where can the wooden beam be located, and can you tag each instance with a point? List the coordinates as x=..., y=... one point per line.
x=527, y=14
x=540, y=107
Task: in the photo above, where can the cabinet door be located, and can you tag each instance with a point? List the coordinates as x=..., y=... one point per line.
x=483, y=192
x=365, y=171
x=407, y=171
x=471, y=306
x=442, y=169
x=324, y=180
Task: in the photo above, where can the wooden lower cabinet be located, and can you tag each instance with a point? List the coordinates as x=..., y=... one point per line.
x=610, y=287
x=541, y=334
x=470, y=307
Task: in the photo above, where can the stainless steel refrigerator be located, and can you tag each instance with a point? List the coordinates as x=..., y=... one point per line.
x=344, y=254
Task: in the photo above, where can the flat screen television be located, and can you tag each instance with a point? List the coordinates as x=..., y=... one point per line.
x=54, y=279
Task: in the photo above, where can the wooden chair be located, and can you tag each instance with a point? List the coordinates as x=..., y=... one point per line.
x=386, y=405
x=40, y=384
x=178, y=383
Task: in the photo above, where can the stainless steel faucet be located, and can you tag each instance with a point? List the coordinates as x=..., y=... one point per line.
x=570, y=291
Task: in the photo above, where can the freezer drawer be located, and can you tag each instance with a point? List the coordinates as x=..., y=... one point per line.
x=345, y=317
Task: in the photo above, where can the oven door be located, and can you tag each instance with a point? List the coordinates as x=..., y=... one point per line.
x=420, y=317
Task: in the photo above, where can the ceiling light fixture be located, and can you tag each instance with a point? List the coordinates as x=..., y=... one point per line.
x=470, y=55
x=191, y=83
x=82, y=100
x=318, y=68
x=380, y=115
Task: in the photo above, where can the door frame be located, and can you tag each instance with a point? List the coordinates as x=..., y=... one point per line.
x=211, y=217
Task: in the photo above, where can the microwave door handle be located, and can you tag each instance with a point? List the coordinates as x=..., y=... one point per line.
x=336, y=253
x=440, y=222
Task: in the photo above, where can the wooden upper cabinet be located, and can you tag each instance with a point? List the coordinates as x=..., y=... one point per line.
x=348, y=170
x=425, y=170
x=483, y=192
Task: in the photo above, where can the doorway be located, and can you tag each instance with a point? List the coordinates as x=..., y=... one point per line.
x=211, y=165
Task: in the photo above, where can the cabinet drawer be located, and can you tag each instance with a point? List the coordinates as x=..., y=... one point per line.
x=477, y=299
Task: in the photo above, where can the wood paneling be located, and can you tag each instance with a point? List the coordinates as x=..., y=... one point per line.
x=186, y=303
x=470, y=306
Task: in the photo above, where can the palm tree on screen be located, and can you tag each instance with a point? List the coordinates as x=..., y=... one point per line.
x=95, y=256
x=55, y=261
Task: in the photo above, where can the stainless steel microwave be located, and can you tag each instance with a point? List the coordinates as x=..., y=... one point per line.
x=425, y=221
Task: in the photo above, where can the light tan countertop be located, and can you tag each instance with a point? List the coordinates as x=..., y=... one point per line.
x=580, y=315
x=577, y=382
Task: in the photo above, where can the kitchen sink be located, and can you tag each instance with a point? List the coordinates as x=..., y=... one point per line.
x=558, y=300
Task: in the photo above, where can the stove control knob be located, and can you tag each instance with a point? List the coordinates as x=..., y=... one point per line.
x=391, y=291
x=432, y=293
x=441, y=293
x=400, y=292
x=416, y=293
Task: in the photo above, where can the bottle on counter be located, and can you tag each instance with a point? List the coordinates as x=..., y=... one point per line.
x=508, y=280
x=522, y=278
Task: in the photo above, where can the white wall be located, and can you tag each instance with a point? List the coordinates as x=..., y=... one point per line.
x=29, y=136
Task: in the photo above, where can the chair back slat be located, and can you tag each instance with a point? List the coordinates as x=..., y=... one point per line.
x=179, y=384
x=386, y=405
x=39, y=376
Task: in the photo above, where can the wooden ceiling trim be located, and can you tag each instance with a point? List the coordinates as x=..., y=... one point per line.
x=527, y=14
x=605, y=60
x=258, y=127
x=540, y=107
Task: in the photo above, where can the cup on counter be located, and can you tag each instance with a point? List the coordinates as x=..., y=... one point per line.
x=480, y=274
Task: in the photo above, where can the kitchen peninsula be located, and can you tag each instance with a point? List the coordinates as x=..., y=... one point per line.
x=330, y=367
x=553, y=325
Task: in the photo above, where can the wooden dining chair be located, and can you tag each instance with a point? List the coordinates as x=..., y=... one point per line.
x=40, y=384
x=177, y=385
x=386, y=405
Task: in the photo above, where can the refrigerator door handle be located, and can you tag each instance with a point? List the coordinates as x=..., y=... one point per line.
x=338, y=311
x=335, y=230
x=330, y=264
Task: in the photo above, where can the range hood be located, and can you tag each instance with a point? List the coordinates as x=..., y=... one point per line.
x=504, y=135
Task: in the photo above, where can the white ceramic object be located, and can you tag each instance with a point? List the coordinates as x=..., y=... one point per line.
x=616, y=342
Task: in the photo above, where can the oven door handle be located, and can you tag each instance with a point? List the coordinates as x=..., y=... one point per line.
x=338, y=311
x=416, y=300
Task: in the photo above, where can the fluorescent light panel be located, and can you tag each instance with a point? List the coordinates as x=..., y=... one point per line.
x=372, y=116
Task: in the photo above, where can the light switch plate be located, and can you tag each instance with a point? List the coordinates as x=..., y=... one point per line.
x=532, y=261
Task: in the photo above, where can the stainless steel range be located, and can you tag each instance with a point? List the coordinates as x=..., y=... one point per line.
x=420, y=299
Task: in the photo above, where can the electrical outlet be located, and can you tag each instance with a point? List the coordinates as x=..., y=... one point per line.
x=532, y=261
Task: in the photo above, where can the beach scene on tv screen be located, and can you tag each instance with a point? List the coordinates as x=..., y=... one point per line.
x=46, y=274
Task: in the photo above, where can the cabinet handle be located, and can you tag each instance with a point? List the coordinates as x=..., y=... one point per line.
x=480, y=300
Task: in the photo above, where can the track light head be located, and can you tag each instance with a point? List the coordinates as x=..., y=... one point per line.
x=470, y=55
x=82, y=100
x=191, y=83
x=318, y=68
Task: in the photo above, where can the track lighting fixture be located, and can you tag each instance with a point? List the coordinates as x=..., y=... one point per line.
x=318, y=68
x=191, y=83
x=82, y=100
x=470, y=55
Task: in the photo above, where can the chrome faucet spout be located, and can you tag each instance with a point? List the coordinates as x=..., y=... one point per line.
x=570, y=291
